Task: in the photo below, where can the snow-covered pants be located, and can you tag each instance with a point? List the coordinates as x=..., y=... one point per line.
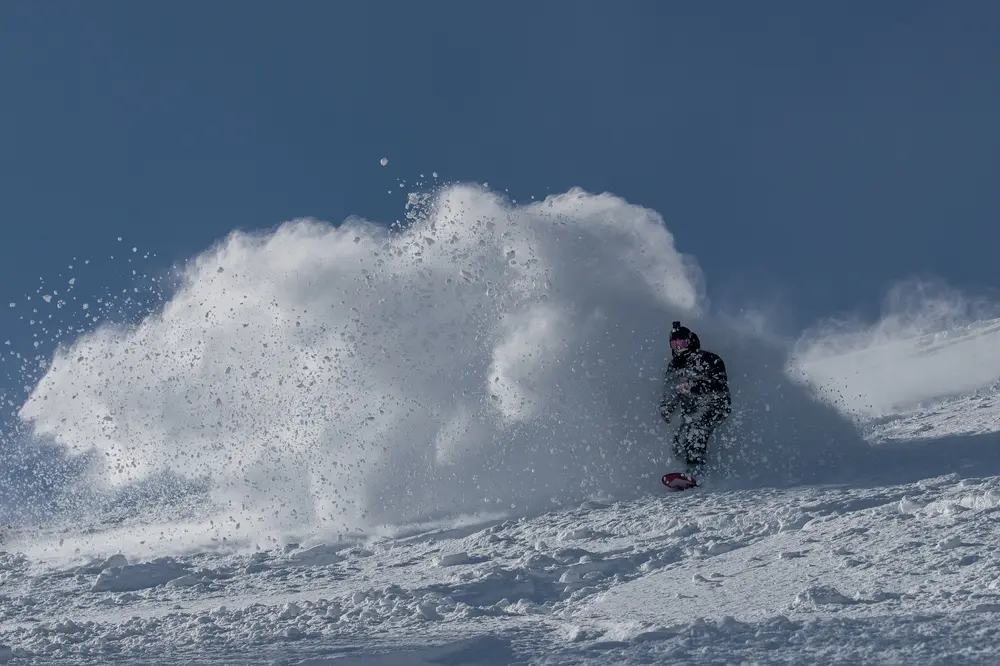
x=691, y=438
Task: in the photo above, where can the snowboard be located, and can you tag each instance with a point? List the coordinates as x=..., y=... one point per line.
x=678, y=481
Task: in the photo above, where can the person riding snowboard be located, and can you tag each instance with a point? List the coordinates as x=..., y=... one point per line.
x=696, y=384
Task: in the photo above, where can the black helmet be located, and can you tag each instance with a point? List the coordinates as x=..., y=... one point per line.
x=683, y=339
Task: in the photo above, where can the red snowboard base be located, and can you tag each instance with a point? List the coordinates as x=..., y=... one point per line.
x=678, y=481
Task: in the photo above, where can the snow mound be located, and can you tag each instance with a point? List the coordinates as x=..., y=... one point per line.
x=132, y=577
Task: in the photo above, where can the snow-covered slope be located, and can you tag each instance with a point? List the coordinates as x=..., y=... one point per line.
x=440, y=446
x=862, y=573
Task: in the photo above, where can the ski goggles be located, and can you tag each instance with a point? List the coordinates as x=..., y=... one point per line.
x=682, y=343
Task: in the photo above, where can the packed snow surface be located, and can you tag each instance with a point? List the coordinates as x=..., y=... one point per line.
x=898, y=573
x=439, y=444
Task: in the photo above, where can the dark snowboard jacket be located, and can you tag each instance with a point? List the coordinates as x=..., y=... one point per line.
x=696, y=380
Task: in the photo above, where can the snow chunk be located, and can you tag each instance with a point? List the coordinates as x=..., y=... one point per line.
x=988, y=500
x=256, y=567
x=949, y=543
x=631, y=631
x=290, y=611
x=794, y=524
x=133, y=577
x=453, y=559
x=98, y=566
x=720, y=547
x=316, y=556
x=909, y=506
x=67, y=627
x=683, y=530
x=945, y=508
x=569, y=576
x=428, y=611
x=822, y=595
x=578, y=533
x=189, y=580
x=117, y=560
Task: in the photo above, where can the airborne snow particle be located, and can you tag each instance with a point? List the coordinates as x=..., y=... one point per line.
x=383, y=161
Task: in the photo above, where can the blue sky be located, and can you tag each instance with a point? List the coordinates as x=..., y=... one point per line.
x=806, y=155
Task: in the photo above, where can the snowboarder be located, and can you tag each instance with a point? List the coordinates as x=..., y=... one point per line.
x=696, y=384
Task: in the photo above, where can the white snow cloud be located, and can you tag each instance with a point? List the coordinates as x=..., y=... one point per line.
x=930, y=343
x=491, y=357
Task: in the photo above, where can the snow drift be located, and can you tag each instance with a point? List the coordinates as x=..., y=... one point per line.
x=489, y=357
x=931, y=343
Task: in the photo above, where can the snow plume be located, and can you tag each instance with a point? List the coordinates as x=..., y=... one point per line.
x=487, y=358
x=932, y=342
